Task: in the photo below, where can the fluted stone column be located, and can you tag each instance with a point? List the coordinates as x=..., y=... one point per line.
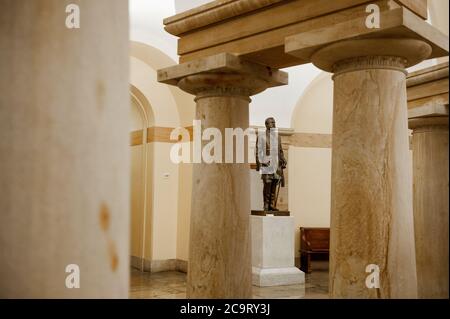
x=219, y=247
x=64, y=164
x=430, y=172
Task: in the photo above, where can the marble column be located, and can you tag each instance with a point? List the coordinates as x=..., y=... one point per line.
x=64, y=103
x=430, y=173
x=371, y=197
x=371, y=212
x=372, y=253
x=220, y=248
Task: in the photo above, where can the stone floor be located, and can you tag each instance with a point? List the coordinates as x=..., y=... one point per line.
x=172, y=285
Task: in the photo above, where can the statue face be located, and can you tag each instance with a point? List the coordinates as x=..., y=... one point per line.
x=270, y=123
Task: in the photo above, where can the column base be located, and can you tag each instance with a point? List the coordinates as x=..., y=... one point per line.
x=267, y=277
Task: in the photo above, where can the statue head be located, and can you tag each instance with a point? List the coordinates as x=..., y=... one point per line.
x=270, y=123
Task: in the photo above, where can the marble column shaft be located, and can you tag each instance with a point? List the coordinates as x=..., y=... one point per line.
x=219, y=247
x=430, y=173
x=371, y=201
x=371, y=210
x=219, y=254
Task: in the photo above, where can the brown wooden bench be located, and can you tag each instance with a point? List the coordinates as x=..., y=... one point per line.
x=313, y=241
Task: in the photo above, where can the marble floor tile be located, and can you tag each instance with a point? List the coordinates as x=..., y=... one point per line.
x=172, y=285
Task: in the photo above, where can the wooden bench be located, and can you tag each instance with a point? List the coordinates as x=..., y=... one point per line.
x=313, y=241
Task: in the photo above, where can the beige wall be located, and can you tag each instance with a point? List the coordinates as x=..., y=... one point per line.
x=314, y=110
x=165, y=203
x=147, y=223
x=438, y=16
x=167, y=197
x=163, y=104
x=309, y=188
x=137, y=200
x=309, y=168
x=184, y=210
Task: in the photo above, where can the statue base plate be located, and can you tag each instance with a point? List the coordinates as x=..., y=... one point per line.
x=270, y=212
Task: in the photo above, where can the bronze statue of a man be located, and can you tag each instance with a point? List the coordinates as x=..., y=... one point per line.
x=270, y=161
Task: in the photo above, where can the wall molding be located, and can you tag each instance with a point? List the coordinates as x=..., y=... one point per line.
x=162, y=134
x=136, y=137
x=316, y=140
x=313, y=140
x=136, y=263
x=159, y=134
x=298, y=139
x=288, y=137
x=154, y=266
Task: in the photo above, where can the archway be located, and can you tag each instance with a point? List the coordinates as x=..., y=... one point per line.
x=141, y=186
x=160, y=232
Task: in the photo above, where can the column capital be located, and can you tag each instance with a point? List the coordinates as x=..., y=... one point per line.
x=428, y=122
x=222, y=84
x=222, y=75
x=353, y=55
x=428, y=87
x=428, y=116
x=427, y=91
x=370, y=62
x=403, y=37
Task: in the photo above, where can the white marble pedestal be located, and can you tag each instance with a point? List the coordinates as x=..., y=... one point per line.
x=273, y=251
